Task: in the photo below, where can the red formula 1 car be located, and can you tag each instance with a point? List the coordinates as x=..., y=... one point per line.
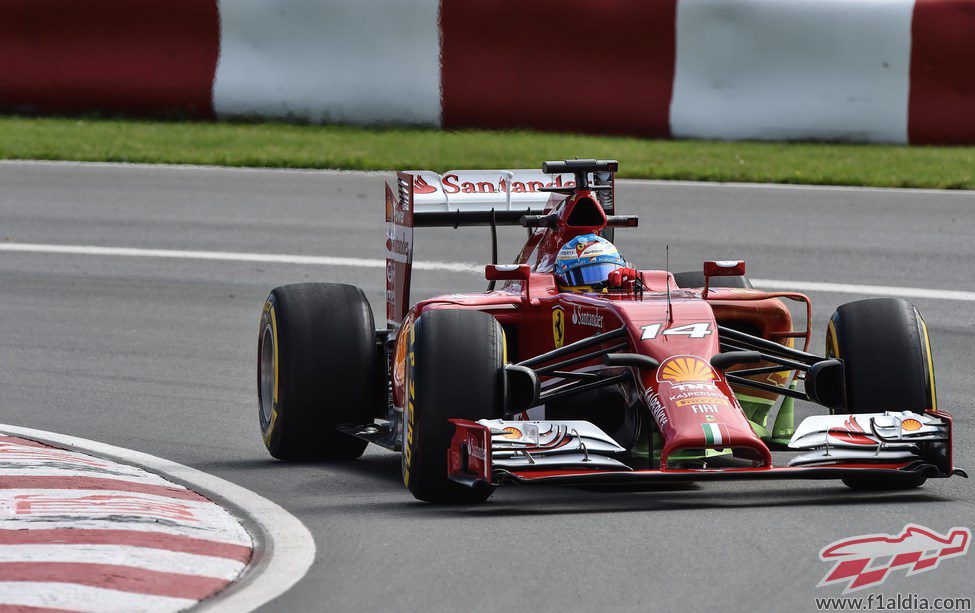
x=645, y=377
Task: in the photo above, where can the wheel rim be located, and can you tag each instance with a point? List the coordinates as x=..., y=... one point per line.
x=267, y=373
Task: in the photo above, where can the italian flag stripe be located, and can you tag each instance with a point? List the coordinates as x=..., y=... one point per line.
x=712, y=434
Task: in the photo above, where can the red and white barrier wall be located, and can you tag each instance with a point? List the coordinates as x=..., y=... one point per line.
x=862, y=70
x=148, y=57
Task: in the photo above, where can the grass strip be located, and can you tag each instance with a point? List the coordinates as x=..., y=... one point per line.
x=272, y=144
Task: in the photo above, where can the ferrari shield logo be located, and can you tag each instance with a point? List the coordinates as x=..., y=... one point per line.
x=558, y=326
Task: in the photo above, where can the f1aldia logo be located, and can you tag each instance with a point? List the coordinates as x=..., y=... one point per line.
x=867, y=560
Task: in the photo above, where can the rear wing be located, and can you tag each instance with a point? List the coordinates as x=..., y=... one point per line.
x=510, y=193
x=423, y=198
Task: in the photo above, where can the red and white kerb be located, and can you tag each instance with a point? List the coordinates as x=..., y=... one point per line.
x=86, y=534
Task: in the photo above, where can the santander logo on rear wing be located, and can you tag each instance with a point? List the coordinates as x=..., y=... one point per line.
x=482, y=190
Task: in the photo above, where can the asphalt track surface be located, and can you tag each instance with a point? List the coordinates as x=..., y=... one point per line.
x=158, y=355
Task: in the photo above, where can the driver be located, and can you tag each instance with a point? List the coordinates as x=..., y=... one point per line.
x=584, y=264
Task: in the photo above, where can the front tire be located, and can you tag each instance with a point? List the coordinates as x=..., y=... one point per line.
x=886, y=354
x=453, y=370
x=884, y=346
x=317, y=369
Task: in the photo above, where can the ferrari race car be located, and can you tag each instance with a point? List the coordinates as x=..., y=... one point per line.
x=641, y=378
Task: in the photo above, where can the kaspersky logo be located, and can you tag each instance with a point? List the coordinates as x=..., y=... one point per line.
x=868, y=560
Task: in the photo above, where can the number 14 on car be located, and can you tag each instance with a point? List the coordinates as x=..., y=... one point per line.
x=698, y=330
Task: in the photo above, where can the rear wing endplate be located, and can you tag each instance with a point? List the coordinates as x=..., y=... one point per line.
x=399, y=248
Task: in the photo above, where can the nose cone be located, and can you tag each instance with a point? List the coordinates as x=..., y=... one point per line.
x=696, y=410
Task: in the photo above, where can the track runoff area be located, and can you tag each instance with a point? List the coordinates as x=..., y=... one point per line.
x=855, y=289
x=248, y=550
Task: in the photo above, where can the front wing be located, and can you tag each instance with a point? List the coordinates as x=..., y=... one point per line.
x=495, y=452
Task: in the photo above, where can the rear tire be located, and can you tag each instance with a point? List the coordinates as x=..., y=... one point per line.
x=453, y=370
x=695, y=278
x=884, y=346
x=316, y=369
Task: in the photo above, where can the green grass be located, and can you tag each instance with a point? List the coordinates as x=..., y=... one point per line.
x=303, y=146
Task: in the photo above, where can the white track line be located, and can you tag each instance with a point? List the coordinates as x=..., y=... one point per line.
x=272, y=258
x=229, y=256
x=870, y=290
x=284, y=550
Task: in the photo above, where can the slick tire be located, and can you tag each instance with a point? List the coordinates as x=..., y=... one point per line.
x=886, y=353
x=695, y=278
x=453, y=370
x=317, y=368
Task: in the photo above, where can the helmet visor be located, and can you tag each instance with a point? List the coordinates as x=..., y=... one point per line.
x=589, y=274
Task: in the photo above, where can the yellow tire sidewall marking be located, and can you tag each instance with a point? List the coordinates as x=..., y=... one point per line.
x=408, y=410
x=269, y=309
x=831, y=340
x=927, y=351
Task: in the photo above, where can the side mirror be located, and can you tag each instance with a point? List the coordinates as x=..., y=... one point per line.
x=721, y=268
x=722, y=361
x=643, y=362
x=507, y=272
x=826, y=384
x=521, y=388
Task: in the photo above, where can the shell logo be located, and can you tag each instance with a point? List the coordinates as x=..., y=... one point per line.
x=910, y=425
x=511, y=432
x=685, y=369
